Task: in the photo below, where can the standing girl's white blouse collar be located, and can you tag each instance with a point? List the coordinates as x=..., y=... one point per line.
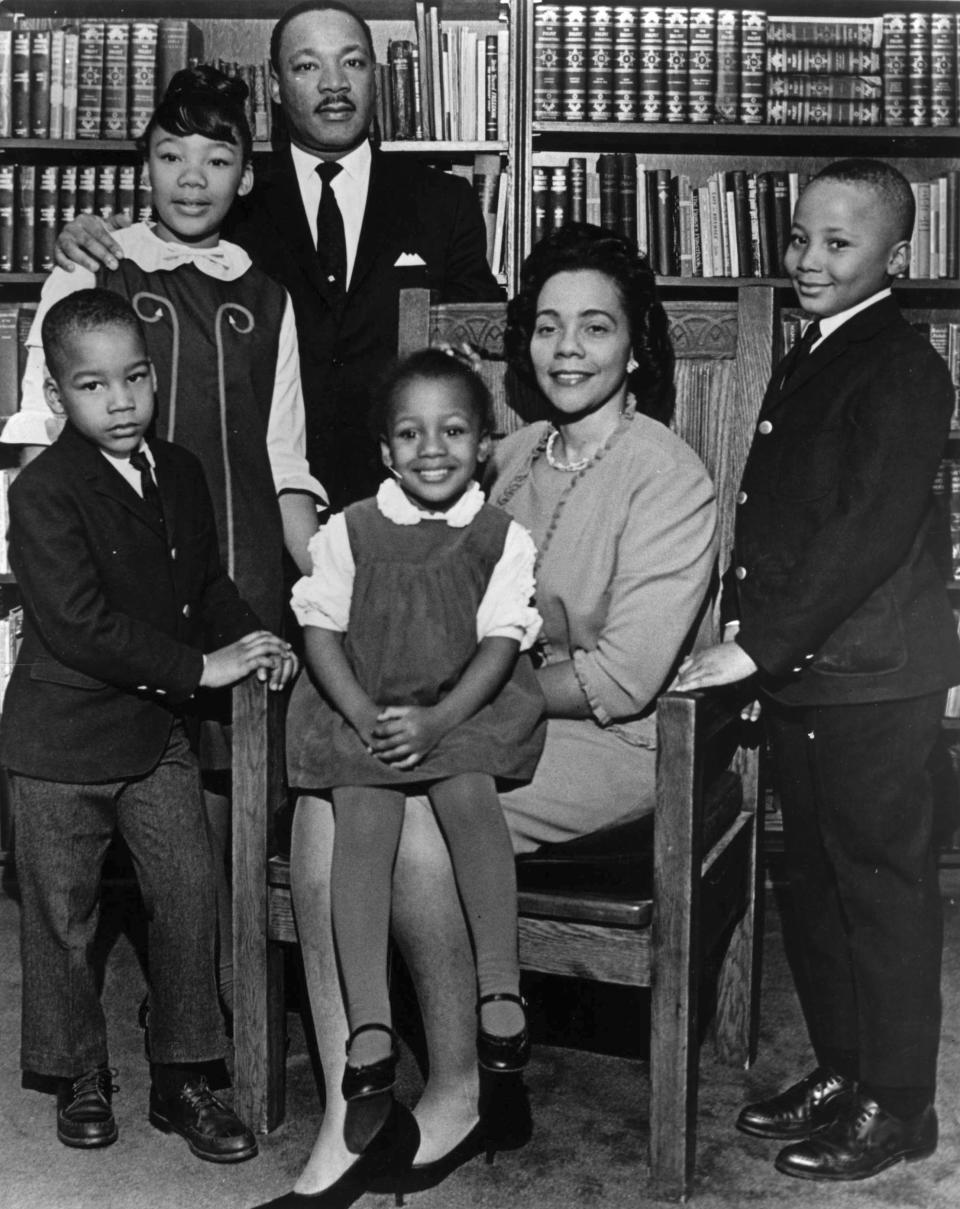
x=225, y=260
x=395, y=506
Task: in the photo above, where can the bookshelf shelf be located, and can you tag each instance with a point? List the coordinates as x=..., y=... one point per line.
x=913, y=138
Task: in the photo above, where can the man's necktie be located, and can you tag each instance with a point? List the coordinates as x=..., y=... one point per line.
x=151, y=493
x=809, y=338
x=331, y=241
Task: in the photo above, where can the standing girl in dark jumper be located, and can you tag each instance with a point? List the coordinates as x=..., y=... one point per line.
x=222, y=339
x=416, y=609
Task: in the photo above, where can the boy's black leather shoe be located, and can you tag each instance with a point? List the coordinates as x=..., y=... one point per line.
x=211, y=1129
x=803, y=1109
x=862, y=1142
x=84, y=1112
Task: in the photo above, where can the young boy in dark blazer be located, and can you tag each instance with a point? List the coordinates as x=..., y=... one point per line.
x=114, y=547
x=835, y=603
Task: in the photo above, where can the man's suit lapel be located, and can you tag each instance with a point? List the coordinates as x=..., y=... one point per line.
x=384, y=206
x=282, y=200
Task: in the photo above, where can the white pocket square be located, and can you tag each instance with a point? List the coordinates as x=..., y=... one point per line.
x=408, y=260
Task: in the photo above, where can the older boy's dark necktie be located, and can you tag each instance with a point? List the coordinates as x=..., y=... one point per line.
x=809, y=338
x=331, y=241
x=148, y=486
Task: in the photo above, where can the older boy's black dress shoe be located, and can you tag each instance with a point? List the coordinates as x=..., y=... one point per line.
x=84, y=1112
x=211, y=1129
x=863, y=1141
x=803, y=1109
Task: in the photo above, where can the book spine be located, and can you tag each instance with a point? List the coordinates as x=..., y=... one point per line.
x=415, y=95
x=7, y=187
x=142, y=76
x=426, y=101
x=401, y=84
x=666, y=224
x=178, y=41
x=56, y=83
x=625, y=64
x=557, y=197
x=918, y=70
x=67, y=195
x=600, y=63
x=627, y=194
x=790, y=112
x=90, y=84
x=577, y=188
x=609, y=192
x=115, y=79
x=923, y=229
x=436, y=72
x=781, y=218
x=40, y=85
x=25, y=218
x=86, y=189
x=704, y=223
x=144, y=202
x=727, y=93
x=503, y=83
x=382, y=103
x=953, y=225
x=491, y=87
x=547, y=67
x=820, y=31
x=643, y=205
x=753, y=44
x=71, y=80
x=486, y=178
x=573, y=40
x=676, y=56
x=702, y=65
x=943, y=100
x=829, y=88
x=261, y=104
x=741, y=220
x=540, y=191
x=768, y=265
x=20, y=85
x=825, y=60
x=127, y=191
x=651, y=64
x=753, y=212
x=6, y=83
x=105, y=203
x=895, y=69
x=698, y=268
x=685, y=224
x=498, y=260
x=9, y=383
x=47, y=193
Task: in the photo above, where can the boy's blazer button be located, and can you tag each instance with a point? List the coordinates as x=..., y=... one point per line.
x=173, y=551
x=765, y=427
x=186, y=610
x=740, y=572
x=741, y=497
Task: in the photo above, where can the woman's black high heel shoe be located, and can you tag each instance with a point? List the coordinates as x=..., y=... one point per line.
x=503, y=1055
x=382, y=1165
x=368, y=1091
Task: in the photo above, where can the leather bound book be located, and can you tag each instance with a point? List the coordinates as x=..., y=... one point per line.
x=105, y=196
x=40, y=85
x=547, y=65
x=25, y=218
x=67, y=195
x=573, y=36
x=895, y=69
x=20, y=85
x=577, y=189
x=626, y=77
x=781, y=218
x=825, y=31
x=142, y=76
x=46, y=237
x=918, y=70
x=727, y=92
x=627, y=189
x=87, y=189
x=541, y=199
x=676, y=51
x=753, y=67
x=702, y=64
x=943, y=69
x=557, y=204
x=116, y=63
x=7, y=185
x=90, y=79
x=608, y=172
x=651, y=71
x=127, y=190
x=600, y=63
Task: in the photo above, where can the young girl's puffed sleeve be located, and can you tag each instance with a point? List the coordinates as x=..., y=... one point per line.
x=323, y=597
x=506, y=610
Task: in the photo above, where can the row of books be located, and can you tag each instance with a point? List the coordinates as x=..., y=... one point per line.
x=91, y=80
x=15, y=322
x=622, y=63
x=11, y=628
x=734, y=224
x=944, y=336
x=491, y=181
x=36, y=200
x=946, y=490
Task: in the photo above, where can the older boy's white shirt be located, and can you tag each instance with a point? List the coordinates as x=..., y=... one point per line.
x=323, y=598
x=350, y=187
x=830, y=324
x=286, y=426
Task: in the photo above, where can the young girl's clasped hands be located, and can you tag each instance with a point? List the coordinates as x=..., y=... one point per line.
x=415, y=614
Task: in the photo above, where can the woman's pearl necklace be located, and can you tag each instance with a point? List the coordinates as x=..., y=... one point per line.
x=552, y=460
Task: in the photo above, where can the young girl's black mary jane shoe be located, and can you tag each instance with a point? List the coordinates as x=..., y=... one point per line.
x=503, y=1055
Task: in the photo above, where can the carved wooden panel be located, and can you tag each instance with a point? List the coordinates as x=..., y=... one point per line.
x=703, y=329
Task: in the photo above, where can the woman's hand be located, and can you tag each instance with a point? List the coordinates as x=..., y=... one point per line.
x=87, y=241
x=404, y=734
x=725, y=663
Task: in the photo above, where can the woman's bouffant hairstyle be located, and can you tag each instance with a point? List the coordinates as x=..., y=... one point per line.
x=202, y=100
x=577, y=246
x=434, y=365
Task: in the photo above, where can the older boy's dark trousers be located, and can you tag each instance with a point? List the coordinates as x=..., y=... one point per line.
x=62, y=835
x=857, y=819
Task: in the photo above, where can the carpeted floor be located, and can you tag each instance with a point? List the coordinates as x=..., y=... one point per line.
x=590, y=1114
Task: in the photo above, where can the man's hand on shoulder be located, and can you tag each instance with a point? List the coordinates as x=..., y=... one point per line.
x=87, y=241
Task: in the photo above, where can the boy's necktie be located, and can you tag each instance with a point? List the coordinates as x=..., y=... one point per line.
x=809, y=338
x=151, y=493
x=331, y=241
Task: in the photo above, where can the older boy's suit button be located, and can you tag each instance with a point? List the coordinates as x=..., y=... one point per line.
x=765, y=427
x=740, y=572
x=741, y=497
x=186, y=610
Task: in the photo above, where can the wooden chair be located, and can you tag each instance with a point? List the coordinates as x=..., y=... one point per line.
x=638, y=904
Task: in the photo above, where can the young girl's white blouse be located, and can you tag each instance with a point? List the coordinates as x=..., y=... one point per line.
x=323, y=598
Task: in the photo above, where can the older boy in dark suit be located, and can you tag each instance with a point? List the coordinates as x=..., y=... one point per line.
x=835, y=601
x=114, y=546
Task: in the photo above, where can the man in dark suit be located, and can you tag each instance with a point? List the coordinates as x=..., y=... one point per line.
x=388, y=223
x=114, y=546
x=836, y=602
